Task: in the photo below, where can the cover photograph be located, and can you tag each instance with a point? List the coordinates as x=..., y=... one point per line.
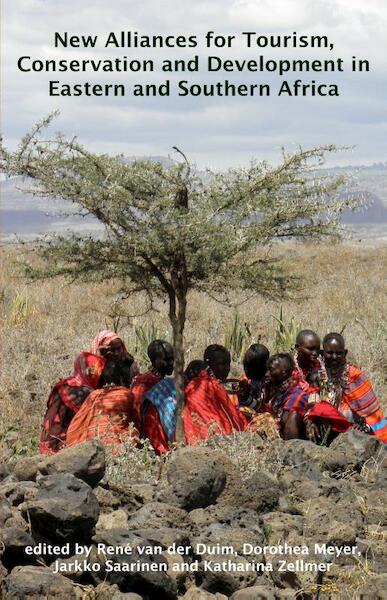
x=193, y=211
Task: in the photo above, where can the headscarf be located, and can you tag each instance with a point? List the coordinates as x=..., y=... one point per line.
x=103, y=339
x=87, y=371
x=66, y=398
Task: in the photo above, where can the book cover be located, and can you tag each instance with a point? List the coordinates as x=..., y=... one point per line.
x=193, y=218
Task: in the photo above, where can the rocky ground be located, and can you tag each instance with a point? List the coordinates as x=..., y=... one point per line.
x=335, y=496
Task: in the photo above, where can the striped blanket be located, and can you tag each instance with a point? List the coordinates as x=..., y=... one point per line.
x=359, y=399
x=107, y=414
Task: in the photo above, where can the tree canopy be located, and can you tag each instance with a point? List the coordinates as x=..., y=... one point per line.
x=172, y=230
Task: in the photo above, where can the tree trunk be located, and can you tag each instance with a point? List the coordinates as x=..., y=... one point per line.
x=177, y=315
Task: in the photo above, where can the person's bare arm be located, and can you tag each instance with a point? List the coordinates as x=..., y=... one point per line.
x=292, y=427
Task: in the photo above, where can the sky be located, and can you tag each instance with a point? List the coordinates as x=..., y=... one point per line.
x=212, y=131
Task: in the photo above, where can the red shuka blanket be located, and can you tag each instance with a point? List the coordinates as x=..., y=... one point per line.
x=140, y=385
x=66, y=398
x=207, y=411
x=106, y=414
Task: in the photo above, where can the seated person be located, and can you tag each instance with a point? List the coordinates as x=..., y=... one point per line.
x=207, y=409
x=218, y=361
x=161, y=356
x=308, y=364
x=107, y=343
x=285, y=397
x=347, y=397
x=250, y=389
x=68, y=395
x=66, y=398
x=107, y=413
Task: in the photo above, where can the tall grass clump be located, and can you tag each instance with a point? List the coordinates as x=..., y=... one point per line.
x=21, y=308
x=286, y=332
x=237, y=337
x=140, y=338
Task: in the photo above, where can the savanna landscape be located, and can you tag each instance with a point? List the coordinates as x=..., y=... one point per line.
x=45, y=324
x=302, y=495
x=194, y=261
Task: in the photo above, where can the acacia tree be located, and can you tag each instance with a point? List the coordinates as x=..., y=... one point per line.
x=169, y=230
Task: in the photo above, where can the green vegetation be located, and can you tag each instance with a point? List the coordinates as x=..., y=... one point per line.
x=168, y=232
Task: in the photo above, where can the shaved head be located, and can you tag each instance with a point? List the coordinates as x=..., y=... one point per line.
x=308, y=348
x=337, y=337
x=305, y=335
x=334, y=351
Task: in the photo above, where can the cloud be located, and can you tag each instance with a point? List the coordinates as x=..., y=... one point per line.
x=216, y=131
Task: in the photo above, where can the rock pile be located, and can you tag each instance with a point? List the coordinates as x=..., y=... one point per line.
x=66, y=532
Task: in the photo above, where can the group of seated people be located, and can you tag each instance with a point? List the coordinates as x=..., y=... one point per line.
x=313, y=393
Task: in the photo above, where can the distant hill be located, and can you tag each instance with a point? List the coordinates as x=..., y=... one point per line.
x=25, y=215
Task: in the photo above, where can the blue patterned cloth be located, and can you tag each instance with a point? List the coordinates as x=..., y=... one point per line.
x=163, y=397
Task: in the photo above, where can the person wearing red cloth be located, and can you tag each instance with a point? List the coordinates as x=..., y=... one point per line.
x=306, y=356
x=251, y=386
x=68, y=394
x=107, y=341
x=161, y=356
x=285, y=397
x=207, y=410
x=107, y=413
x=347, y=397
x=66, y=398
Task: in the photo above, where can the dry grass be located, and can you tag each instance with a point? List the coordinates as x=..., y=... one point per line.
x=44, y=325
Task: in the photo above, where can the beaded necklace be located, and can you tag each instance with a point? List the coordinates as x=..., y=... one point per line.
x=320, y=369
x=336, y=381
x=277, y=395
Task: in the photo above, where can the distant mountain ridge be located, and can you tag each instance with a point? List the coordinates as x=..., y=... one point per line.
x=26, y=215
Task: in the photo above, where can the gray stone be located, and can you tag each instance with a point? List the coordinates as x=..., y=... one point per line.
x=85, y=461
x=297, y=487
x=195, y=479
x=228, y=579
x=27, y=468
x=5, y=471
x=17, y=492
x=225, y=535
x=374, y=548
x=304, y=459
x=155, y=584
x=373, y=505
x=133, y=494
x=39, y=583
x=195, y=593
x=223, y=546
x=10, y=516
x=117, y=518
x=105, y=591
x=234, y=516
x=158, y=514
x=74, y=567
x=3, y=575
x=261, y=492
x=5, y=511
x=334, y=523
x=280, y=527
x=375, y=589
x=351, y=450
x=64, y=508
x=14, y=542
x=165, y=536
x=106, y=499
x=263, y=592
